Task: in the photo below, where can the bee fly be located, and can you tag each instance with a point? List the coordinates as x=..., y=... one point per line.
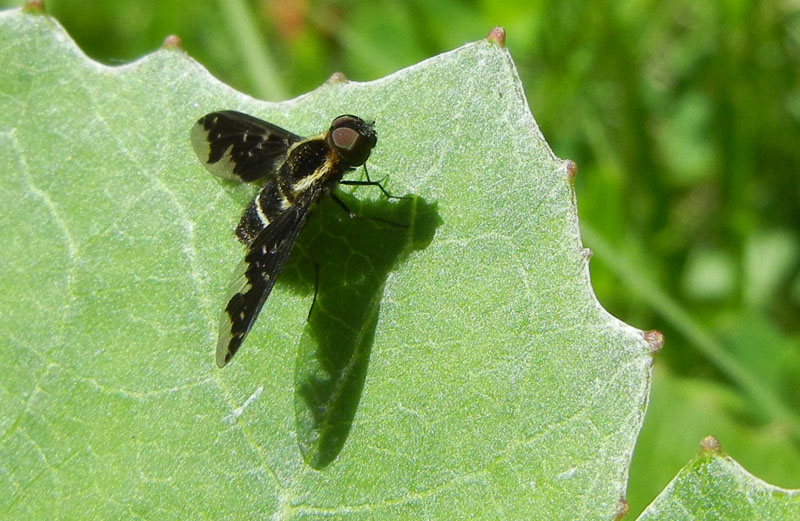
x=297, y=172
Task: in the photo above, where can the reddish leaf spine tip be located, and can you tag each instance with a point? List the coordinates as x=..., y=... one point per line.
x=497, y=35
x=572, y=170
x=172, y=42
x=336, y=77
x=34, y=6
x=710, y=445
x=655, y=339
x=622, y=509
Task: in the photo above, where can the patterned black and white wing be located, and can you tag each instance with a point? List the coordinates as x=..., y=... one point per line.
x=239, y=147
x=255, y=276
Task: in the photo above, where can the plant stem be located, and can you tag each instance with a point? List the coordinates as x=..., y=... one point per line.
x=259, y=63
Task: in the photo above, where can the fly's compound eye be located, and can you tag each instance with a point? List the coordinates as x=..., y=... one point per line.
x=352, y=138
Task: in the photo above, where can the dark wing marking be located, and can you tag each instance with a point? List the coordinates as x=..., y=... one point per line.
x=255, y=276
x=239, y=147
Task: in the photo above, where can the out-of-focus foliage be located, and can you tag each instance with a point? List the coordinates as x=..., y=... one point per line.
x=684, y=119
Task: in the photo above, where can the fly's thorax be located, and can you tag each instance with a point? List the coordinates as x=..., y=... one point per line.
x=310, y=165
x=304, y=159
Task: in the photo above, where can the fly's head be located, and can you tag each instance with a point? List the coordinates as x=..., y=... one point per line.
x=352, y=138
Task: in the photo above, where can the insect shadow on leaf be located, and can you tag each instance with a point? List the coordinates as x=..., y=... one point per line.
x=355, y=257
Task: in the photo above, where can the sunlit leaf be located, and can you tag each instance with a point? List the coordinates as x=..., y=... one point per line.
x=483, y=380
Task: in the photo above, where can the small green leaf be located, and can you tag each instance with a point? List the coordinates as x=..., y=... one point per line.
x=457, y=364
x=715, y=487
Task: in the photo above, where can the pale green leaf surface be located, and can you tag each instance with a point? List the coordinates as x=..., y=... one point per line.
x=481, y=379
x=715, y=487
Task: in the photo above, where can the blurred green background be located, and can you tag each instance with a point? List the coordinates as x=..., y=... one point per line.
x=684, y=120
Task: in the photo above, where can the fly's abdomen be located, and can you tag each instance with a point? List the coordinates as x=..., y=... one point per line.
x=263, y=209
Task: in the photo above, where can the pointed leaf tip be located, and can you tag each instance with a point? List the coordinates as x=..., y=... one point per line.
x=710, y=445
x=622, y=509
x=497, y=35
x=34, y=6
x=572, y=170
x=655, y=339
x=336, y=77
x=172, y=42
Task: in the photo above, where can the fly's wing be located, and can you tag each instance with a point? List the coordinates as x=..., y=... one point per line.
x=255, y=276
x=239, y=147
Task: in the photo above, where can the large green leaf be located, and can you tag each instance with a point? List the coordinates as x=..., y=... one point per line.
x=455, y=366
x=714, y=486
